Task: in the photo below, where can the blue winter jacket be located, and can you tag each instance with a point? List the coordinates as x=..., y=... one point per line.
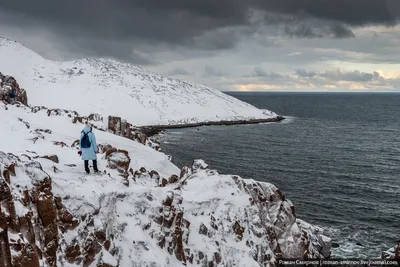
x=90, y=152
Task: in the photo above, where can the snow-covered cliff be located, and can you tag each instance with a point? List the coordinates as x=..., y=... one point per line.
x=109, y=87
x=142, y=211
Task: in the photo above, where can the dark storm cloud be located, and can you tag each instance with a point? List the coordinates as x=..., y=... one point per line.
x=178, y=20
x=121, y=28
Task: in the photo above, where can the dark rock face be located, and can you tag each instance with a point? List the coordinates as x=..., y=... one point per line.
x=38, y=226
x=118, y=159
x=9, y=82
x=121, y=127
x=392, y=254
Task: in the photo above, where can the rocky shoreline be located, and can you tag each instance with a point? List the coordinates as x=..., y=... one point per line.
x=156, y=129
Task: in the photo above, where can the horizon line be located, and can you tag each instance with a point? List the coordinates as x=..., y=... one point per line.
x=334, y=92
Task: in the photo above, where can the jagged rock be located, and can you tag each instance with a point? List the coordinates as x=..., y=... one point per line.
x=24, y=122
x=199, y=165
x=73, y=253
x=123, y=128
x=118, y=159
x=164, y=182
x=114, y=125
x=103, y=148
x=392, y=254
x=203, y=230
x=108, y=151
x=44, y=131
x=78, y=119
x=91, y=249
x=95, y=117
x=62, y=144
x=173, y=179
x=239, y=230
x=5, y=89
x=107, y=245
x=70, y=165
x=101, y=236
x=141, y=138
x=154, y=175
x=53, y=158
x=76, y=143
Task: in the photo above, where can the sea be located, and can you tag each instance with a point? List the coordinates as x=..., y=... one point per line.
x=336, y=156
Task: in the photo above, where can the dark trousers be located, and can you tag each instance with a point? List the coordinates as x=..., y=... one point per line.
x=94, y=166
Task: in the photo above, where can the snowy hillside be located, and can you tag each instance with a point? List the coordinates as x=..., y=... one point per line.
x=108, y=87
x=143, y=211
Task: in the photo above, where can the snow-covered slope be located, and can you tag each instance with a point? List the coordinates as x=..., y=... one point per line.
x=109, y=87
x=143, y=211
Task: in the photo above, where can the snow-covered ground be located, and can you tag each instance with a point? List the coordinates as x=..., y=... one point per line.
x=148, y=218
x=142, y=210
x=109, y=87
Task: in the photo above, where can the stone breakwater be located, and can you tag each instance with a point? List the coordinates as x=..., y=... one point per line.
x=156, y=129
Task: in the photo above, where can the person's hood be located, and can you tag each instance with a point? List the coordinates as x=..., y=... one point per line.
x=86, y=129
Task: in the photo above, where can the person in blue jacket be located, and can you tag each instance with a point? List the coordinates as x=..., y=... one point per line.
x=12, y=95
x=88, y=148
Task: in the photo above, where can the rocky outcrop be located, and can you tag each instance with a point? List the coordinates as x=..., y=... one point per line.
x=33, y=222
x=55, y=215
x=392, y=254
x=267, y=225
x=117, y=159
x=121, y=127
x=229, y=217
x=53, y=158
x=8, y=82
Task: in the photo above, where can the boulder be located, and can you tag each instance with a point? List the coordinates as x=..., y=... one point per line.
x=53, y=158
x=118, y=159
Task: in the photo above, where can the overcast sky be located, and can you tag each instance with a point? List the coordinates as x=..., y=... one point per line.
x=274, y=45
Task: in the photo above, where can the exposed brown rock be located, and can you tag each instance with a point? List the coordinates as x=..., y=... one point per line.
x=11, y=169
x=118, y=159
x=72, y=253
x=164, y=182
x=6, y=176
x=76, y=143
x=101, y=236
x=78, y=119
x=107, y=244
x=173, y=179
x=154, y=175
x=239, y=230
x=91, y=250
x=62, y=144
x=5, y=251
x=53, y=158
x=114, y=125
x=217, y=258
x=109, y=151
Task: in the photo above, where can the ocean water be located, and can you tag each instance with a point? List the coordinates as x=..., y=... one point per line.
x=336, y=156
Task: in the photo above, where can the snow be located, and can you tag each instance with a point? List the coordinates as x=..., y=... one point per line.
x=124, y=211
x=109, y=87
x=127, y=210
x=20, y=209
